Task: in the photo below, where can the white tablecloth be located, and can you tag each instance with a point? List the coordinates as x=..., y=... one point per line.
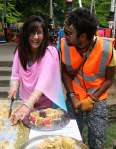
x=70, y=130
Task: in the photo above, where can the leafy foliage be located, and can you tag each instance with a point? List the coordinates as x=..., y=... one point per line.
x=102, y=9
x=18, y=10
x=38, y=7
x=12, y=15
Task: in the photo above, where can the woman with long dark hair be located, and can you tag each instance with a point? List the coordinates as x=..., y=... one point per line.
x=34, y=64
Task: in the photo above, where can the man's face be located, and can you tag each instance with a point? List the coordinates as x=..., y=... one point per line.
x=70, y=35
x=73, y=39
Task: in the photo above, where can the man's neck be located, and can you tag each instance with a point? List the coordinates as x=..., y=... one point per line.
x=89, y=46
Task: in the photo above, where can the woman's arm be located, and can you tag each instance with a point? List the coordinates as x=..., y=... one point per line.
x=35, y=96
x=14, y=82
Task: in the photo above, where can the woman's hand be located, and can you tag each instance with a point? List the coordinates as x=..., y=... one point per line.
x=19, y=114
x=12, y=93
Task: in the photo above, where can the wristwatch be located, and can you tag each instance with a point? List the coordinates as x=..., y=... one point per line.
x=70, y=94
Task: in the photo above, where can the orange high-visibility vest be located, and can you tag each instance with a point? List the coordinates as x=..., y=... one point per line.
x=91, y=74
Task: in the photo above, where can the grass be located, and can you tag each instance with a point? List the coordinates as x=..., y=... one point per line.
x=110, y=135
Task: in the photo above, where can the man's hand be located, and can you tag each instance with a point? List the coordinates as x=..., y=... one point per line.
x=75, y=101
x=86, y=104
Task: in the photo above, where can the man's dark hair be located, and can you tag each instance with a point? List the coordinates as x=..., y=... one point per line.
x=31, y=25
x=83, y=21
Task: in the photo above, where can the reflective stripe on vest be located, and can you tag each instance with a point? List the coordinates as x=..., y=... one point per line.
x=101, y=73
x=67, y=57
x=91, y=90
x=102, y=66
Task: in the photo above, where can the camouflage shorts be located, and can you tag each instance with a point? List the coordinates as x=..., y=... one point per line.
x=96, y=121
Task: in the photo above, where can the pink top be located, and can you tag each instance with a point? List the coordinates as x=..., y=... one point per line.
x=43, y=76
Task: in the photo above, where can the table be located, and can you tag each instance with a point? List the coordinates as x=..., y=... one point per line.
x=70, y=130
x=11, y=137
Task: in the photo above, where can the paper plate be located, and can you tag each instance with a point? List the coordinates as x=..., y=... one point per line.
x=47, y=119
x=54, y=141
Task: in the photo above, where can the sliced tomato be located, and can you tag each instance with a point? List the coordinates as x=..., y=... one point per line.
x=47, y=121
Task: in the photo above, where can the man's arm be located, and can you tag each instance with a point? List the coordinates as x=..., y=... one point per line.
x=71, y=95
x=110, y=74
x=67, y=81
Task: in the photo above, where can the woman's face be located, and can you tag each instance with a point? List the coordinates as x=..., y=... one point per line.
x=36, y=38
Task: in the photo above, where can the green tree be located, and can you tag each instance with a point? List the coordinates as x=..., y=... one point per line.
x=12, y=15
x=18, y=10
x=30, y=7
x=102, y=9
